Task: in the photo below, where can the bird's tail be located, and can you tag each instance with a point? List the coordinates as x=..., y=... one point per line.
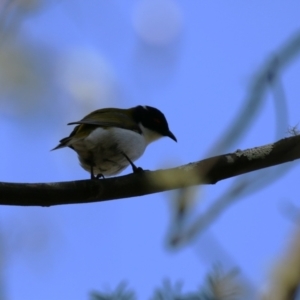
x=65, y=142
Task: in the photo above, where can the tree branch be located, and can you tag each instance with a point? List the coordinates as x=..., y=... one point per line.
x=207, y=171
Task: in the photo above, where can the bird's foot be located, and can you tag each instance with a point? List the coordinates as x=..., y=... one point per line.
x=98, y=176
x=135, y=169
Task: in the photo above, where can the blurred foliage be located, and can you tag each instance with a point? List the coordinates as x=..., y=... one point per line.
x=24, y=76
x=265, y=80
x=26, y=65
x=219, y=285
x=284, y=282
x=121, y=293
x=12, y=12
x=36, y=78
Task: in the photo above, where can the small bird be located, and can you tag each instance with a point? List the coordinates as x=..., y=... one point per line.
x=110, y=139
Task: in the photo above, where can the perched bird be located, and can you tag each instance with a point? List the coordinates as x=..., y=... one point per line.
x=108, y=140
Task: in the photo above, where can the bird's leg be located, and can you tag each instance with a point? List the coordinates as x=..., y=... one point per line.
x=92, y=172
x=135, y=169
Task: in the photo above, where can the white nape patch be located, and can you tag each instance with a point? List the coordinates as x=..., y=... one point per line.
x=255, y=153
x=144, y=106
x=149, y=135
x=230, y=160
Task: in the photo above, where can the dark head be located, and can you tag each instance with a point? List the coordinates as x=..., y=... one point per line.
x=153, y=119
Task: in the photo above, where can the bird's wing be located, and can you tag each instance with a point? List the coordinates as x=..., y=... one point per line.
x=108, y=118
x=99, y=118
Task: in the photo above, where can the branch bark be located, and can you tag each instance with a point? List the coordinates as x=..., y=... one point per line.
x=207, y=171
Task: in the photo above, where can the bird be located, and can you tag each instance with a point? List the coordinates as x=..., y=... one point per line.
x=110, y=139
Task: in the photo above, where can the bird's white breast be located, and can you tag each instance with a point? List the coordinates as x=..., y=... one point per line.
x=128, y=141
x=104, y=148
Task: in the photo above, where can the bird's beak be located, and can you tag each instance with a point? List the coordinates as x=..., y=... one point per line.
x=171, y=135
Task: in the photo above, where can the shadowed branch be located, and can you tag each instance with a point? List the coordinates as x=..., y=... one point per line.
x=207, y=171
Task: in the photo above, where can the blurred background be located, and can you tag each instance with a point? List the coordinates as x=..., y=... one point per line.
x=204, y=64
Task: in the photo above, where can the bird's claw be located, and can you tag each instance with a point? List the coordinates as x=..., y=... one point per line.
x=136, y=169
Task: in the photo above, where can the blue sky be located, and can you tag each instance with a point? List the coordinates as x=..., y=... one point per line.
x=68, y=58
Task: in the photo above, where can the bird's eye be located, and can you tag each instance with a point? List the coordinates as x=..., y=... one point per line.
x=156, y=120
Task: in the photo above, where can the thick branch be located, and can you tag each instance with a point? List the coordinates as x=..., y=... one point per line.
x=207, y=171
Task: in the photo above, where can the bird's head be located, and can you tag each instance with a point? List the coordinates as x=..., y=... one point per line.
x=152, y=123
